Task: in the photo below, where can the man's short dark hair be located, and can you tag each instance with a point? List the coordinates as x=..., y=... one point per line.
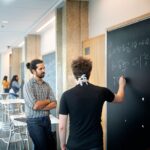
x=81, y=66
x=33, y=64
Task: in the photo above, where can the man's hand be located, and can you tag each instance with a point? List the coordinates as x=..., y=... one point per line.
x=119, y=97
x=122, y=82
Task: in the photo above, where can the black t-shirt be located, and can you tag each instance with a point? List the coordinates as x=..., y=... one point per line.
x=84, y=104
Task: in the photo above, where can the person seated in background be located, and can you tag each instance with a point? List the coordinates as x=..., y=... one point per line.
x=5, y=84
x=14, y=87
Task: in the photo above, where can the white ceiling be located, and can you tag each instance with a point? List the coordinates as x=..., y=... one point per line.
x=23, y=17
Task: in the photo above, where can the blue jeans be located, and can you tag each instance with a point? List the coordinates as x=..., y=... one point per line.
x=40, y=133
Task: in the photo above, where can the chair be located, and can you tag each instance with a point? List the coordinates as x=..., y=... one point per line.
x=4, y=95
x=9, y=135
x=19, y=122
x=11, y=109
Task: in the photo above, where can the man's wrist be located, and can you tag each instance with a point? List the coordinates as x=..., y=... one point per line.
x=49, y=101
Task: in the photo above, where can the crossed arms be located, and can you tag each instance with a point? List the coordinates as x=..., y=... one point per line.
x=44, y=105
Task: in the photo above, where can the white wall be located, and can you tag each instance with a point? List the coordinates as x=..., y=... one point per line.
x=23, y=53
x=48, y=39
x=107, y=13
x=4, y=64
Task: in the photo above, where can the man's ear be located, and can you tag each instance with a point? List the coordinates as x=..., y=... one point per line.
x=33, y=71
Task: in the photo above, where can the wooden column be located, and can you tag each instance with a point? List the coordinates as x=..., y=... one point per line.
x=15, y=62
x=71, y=31
x=32, y=47
x=76, y=27
x=32, y=50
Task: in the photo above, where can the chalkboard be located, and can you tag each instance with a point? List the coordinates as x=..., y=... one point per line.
x=50, y=73
x=50, y=70
x=128, y=54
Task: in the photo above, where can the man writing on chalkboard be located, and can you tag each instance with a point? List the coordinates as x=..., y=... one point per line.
x=83, y=104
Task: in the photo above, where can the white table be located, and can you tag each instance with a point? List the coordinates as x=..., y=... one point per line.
x=6, y=104
x=18, y=123
x=4, y=95
x=53, y=119
x=11, y=101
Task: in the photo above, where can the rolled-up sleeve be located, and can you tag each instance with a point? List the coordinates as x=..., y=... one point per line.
x=51, y=95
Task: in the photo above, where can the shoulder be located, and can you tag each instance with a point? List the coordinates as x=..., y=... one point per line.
x=70, y=90
x=100, y=89
x=96, y=87
x=30, y=82
x=66, y=93
x=105, y=93
x=46, y=83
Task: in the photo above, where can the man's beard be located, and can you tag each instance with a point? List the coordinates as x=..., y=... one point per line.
x=41, y=75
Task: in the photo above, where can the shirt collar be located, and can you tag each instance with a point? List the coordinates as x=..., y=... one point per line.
x=35, y=81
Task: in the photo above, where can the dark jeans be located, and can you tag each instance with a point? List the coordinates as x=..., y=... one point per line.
x=6, y=90
x=97, y=148
x=40, y=133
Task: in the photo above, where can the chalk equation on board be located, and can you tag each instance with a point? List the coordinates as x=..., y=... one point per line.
x=128, y=47
x=137, y=62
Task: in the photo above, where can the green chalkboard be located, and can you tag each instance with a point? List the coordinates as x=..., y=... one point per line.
x=128, y=54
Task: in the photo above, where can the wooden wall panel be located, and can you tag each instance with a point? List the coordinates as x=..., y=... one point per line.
x=96, y=50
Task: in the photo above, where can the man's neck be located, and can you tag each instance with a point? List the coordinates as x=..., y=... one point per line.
x=39, y=80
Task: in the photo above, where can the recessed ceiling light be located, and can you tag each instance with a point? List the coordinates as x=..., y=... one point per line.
x=21, y=44
x=46, y=24
x=7, y=1
x=4, y=21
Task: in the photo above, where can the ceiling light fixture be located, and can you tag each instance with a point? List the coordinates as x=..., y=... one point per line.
x=21, y=44
x=4, y=21
x=46, y=24
x=8, y=1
